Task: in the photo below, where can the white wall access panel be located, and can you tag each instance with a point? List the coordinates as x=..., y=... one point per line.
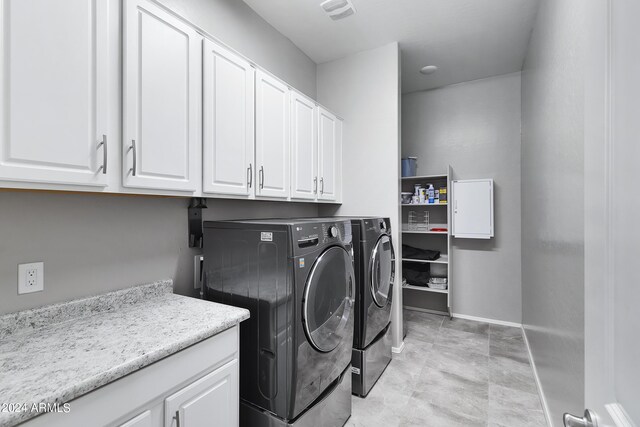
x=228, y=121
x=473, y=209
x=53, y=91
x=162, y=99
x=304, y=147
x=272, y=136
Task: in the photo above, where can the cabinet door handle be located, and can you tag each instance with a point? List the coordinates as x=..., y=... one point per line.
x=261, y=177
x=177, y=418
x=315, y=185
x=103, y=144
x=250, y=174
x=132, y=148
x=321, y=185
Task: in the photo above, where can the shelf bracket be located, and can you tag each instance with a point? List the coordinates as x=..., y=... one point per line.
x=196, y=238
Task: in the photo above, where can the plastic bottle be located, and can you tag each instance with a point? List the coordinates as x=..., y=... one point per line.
x=431, y=192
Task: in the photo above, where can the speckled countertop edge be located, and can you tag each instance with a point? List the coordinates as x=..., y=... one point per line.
x=111, y=336
x=28, y=320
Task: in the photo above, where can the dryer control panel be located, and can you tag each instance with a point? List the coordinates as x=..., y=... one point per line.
x=309, y=235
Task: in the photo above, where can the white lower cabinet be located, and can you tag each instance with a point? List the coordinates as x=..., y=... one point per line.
x=143, y=420
x=196, y=387
x=216, y=393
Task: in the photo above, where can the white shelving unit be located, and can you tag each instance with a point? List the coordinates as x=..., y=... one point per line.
x=426, y=205
x=429, y=239
x=444, y=259
x=422, y=289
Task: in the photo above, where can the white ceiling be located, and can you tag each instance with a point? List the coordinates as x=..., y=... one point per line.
x=466, y=39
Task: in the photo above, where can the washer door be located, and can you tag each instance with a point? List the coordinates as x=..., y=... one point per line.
x=382, y=271
x=328, y=299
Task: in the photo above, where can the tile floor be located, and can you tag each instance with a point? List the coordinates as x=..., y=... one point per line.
x=454, y=373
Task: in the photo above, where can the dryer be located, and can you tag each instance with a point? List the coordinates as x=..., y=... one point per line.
x=297, y=279
x=375, y=274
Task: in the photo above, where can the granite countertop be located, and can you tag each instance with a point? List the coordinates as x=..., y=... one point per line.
x=57, y=353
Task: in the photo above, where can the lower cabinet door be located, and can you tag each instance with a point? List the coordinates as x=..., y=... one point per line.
x=211, y=400
x=142, y=420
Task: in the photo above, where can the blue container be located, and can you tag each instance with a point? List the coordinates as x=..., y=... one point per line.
x=409, y=166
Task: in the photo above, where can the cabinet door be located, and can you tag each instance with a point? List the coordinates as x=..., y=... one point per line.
x=211, y=400
x=272, y=137
x=53, y=104
x=162, y=98
x=142, y=420
x=330, y=141
x=228, y=122
x=473, y=209
x=304, y=147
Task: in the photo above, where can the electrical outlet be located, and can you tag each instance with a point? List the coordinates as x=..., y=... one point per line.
x=30, y=277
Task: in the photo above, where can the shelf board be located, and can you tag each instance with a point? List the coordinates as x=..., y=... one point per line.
x=444, y=233
x=444, y=259
x=423, y=204
x=421, y=177
x=426, y=289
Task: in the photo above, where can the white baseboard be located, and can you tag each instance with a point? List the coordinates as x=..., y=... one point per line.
x=466, y=317
x=619, y=415
x=543, y=399
x=485, y=320
x=398, y=349
x=425, y=310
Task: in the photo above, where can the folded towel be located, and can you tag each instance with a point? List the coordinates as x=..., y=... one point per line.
x=416, y=253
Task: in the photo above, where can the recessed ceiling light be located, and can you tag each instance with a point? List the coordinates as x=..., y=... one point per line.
x=338, y=9
x=429, y=69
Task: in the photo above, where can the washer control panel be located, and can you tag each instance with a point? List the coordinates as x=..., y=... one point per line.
x=314, y=233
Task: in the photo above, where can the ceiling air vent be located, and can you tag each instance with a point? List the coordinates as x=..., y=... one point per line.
x=338, y=9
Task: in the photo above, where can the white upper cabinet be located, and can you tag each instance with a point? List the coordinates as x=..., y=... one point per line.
x=197, y=118
x=330, y=142
x=162, y=99
x=228, y=122
x=473, y=208
x=53, y=94
x=304, y=147
x=272, y=137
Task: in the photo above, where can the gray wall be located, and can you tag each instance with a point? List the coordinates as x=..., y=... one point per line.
x=96, y=243
x=92, y=244
x=237, y=25
x=364, y=89
x=475, y=127
x=553, y=203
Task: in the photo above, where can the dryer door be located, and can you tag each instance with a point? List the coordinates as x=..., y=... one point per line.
x=328, y=299
x=382, y=271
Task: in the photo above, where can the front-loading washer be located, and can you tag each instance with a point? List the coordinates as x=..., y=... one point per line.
x=375, y=274
x=296, y=278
